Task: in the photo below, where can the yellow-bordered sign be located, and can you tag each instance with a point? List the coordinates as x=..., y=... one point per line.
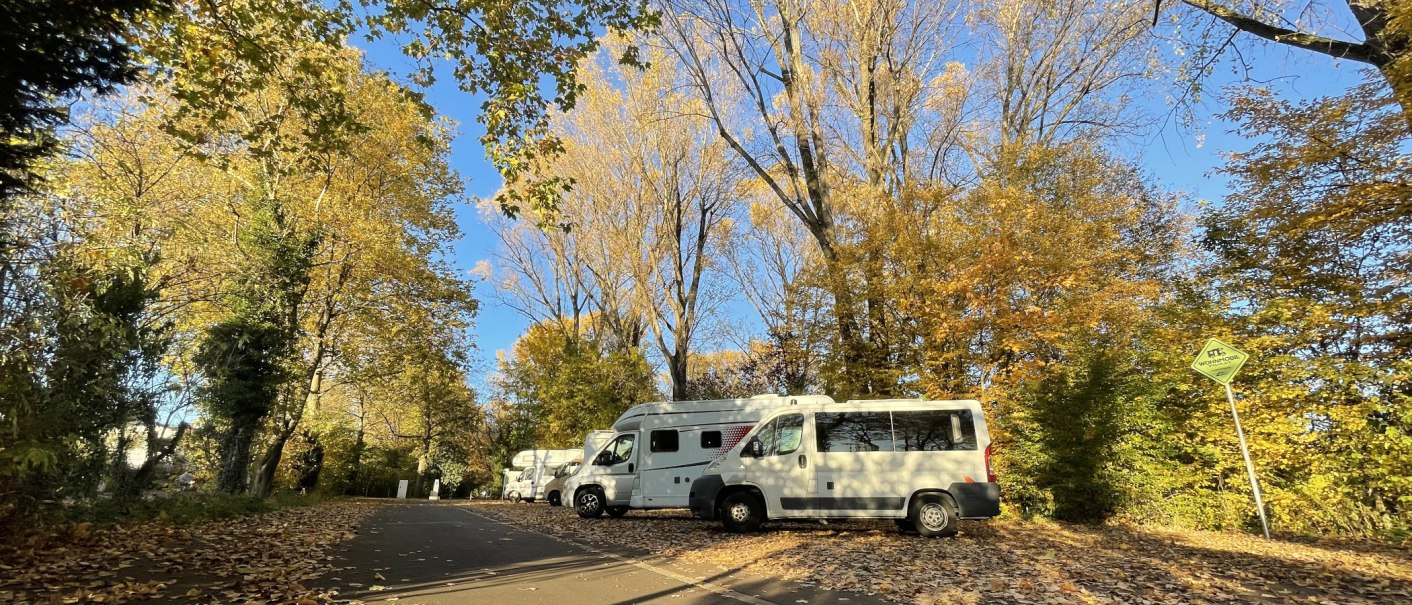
x=1219, y=361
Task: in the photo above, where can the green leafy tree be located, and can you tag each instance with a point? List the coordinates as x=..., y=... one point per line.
x=570, y=386
x=246, y=357
x=55, y=50
x=1312, y=265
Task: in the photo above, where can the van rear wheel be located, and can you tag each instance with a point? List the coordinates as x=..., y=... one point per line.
x=554, y=499
x=617, y=511
x=588, y=503
x=741, y=512
x=934, y=515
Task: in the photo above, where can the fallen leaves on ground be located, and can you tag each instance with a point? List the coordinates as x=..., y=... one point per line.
x=1008, y=561
x=257, y=559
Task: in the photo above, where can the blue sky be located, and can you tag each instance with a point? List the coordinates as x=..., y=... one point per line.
x=1181, y=159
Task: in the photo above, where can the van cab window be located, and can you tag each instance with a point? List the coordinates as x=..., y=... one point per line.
x=617, y=452
x=782, y=435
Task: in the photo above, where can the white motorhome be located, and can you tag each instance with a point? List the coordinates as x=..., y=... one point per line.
x=537, y=470
x=924, y=463
x=553, y=491
x=658, y=449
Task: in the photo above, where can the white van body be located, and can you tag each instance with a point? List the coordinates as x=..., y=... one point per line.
x=658, y=449
x=537, y=470
x=897, y=459
x=507, y=476
x=592, y=442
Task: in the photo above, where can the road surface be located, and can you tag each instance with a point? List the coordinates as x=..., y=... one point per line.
x=431, y=553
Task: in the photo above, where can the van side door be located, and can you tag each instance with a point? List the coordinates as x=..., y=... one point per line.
x=618, y=468
x=783, y=471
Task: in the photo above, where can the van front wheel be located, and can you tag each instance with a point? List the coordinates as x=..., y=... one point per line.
x=589, y=503
x=515, y=497
x=554, y=499
x=934, y=515
x=742, y=512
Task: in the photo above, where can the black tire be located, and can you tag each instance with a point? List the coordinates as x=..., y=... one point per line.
x=515, y=497
x=741, y=512
x=553, y=499
x=934, y=515
x=588, y=503
x=905, y=526
x=617, y=511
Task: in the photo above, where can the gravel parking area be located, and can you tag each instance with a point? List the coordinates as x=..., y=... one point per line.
x=1007, y=561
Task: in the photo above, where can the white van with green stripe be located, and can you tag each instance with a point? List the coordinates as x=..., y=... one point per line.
x=924, y=463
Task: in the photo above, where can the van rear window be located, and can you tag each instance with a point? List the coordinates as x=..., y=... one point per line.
x=934, y=430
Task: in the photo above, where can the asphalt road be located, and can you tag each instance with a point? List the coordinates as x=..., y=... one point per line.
x=429, y=553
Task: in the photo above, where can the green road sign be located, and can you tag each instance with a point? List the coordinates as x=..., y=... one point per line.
x=1219, y=361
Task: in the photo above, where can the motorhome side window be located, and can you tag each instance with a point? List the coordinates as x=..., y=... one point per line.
x=853, y=432
x=710, y=440
x=617, y=452
x=935, y=430
x=782, y=435
x=666, y=441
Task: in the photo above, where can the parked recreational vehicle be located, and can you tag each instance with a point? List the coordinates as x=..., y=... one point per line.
x=658, y=449
x=538, y=468
x=553, y=491
x=924, y=463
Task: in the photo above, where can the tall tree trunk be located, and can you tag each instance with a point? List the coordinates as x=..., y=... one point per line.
x=355, y=464
x=265, y=476
x=312, y=386
x=235, y=456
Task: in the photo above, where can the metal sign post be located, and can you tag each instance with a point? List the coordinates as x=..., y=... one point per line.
x=1249, y=466
x=1220, y=362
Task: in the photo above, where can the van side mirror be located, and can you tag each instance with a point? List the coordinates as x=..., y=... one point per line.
x=753, y=449
x=602, y=458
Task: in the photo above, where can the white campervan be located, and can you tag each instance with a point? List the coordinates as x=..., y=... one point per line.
x=658, y=449
x=538, y=470
x=924, y=463
x=554, y=490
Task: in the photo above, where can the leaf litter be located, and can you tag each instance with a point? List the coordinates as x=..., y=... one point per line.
x=265, y=558
x=1008, y=560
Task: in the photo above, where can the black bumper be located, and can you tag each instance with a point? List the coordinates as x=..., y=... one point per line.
x=976, y=500
x=703, y=495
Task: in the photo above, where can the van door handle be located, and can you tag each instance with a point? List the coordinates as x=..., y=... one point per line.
x=803, y=461
x=630, y=467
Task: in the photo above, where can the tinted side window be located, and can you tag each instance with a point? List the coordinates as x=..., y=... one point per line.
x=710, y=440
x=935, y=430
x=666, y=441
x=854, y=432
